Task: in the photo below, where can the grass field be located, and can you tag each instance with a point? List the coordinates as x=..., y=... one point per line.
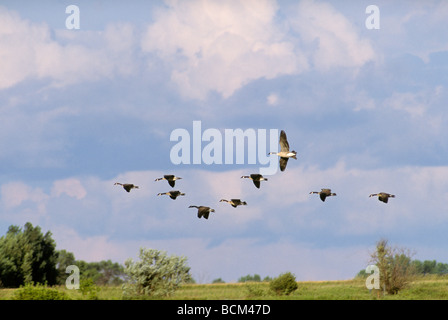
x=433, y=288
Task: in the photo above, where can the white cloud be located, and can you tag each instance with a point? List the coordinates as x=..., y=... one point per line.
x=14, y=194
x=221, y=46
x=416, y=104
x=89, y=248
x=72, y=187
x=29, y=51
x=273, y=99
x=331, y=39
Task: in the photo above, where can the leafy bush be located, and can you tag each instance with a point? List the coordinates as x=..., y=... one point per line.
x=38, y=292
x=284, y=284
x=155, y=274
x=255, y=290
x=89, y=289
x=396, y=269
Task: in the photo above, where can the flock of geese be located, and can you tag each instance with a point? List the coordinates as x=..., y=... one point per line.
x=284, y=155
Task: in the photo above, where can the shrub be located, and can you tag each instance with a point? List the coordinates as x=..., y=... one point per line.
x=254, y=290
x=218, y=280
x=396, y=269
x=284, y=284
x=89, y=289
x=155, y=274
x=38, y=292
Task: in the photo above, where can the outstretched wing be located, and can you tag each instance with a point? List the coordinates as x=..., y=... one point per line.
x=257, y=183
x=283, y=163
x=236, y=201
x=284, y=145
x=171, y=183
x=203, y=212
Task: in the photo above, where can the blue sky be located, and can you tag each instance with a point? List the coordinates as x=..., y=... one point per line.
x=365, y=109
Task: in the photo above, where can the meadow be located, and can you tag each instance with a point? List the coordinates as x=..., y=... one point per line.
x=423, y=288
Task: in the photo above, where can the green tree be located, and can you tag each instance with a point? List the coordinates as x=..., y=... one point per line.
x=102, y=273
x=394, y=264
x=64, y=260
x=284, y=284
x=441, y=268
x=249, y=278
x=155, y=274
x=27, y=256
x=429, y=266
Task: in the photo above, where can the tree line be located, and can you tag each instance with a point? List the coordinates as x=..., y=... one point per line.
x=29, y=256
x=421, y=268
x=396, y=269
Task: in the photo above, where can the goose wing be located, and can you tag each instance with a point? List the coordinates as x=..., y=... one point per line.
x=283, y=163
x=203, y=212
x=383, y=198
x=284, y=145
x=173, y=194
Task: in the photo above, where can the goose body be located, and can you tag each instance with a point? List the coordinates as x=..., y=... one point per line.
x=383, y=196
x=324, y=193
x=256, y=178
x=284, y=153
x=170, y=178
x=203, y=211
x=234, y=202
x=126, y=186
x=173, y=194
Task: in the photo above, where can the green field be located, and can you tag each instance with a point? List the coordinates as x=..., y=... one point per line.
x=430, y=287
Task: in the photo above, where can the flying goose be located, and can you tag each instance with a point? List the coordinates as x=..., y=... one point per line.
x=284, y=153
x=173, y=194
x=126, y=186
x=256, y=178
x=203, y=211
x=323, y=193
x=170, y=178
x=383, y=196
x=234, y=202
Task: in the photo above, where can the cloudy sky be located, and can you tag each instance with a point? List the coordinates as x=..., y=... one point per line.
x=365, y=109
